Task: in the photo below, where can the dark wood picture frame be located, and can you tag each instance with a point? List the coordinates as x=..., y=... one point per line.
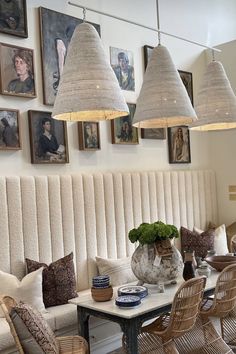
x=56, y=30
x=13, y=18
x=122, y=131
x=179, y=144
x=17, y=75
x=44, y=150
x=186, y=76
x=153, y=133
x=10, y=129
x=89, y=136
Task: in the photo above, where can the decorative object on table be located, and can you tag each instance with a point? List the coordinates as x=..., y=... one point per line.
x=189, y=270
x=204, y=269
x=101, y=289
x=179, y=144
x=136, y=290
x=128, y=301
x=189, y=255
x=155, y=259
x=15, y=81
x=220, y=262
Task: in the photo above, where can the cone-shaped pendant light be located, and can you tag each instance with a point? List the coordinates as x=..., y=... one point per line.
x=163, y=99
x=88, y=88
x=216, y=101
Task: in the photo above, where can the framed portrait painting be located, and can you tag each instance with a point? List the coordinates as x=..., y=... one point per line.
x=13, y=17
x=89, y=136
x=48, y=138
x=56, y=31
x=186, y=76
x=122, y=62
x=122, y=131
x=179, y=144
x=10, y=133
x=17, y=76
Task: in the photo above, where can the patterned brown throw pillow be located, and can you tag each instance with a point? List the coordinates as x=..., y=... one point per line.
x=33, y=331
x=200, y=243
x=59, y=283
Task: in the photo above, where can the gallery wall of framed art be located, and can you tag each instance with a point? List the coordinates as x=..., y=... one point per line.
x=45, y=33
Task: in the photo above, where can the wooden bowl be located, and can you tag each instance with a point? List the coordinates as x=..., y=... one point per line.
x=220, y=262
x=102, y=294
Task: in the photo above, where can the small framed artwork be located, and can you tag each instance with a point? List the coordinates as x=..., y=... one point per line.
x=186, y=76
x=153, y=133
x=187, y=79
x=48, y=138
x=13, y=17
x=10, y=133
x=17, y=71
x=89, y=136
x=122, y=131
x=56, y=30
x=179, y=144
x=122, y=62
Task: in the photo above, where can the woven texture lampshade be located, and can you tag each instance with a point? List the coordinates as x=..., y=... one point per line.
x=216, y=102
x=88, y=88
x=163, y=99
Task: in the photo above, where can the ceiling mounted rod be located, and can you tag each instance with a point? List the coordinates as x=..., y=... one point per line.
x=143, y=26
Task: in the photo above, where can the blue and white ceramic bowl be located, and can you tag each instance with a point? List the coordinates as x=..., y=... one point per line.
x=136, y=290
x=128, y=301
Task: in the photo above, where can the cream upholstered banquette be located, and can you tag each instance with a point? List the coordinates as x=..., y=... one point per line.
x=47, y=217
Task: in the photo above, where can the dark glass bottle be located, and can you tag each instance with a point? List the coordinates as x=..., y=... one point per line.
x=189, y=270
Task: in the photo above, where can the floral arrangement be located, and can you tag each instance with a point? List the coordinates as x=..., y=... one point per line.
x=149, y=233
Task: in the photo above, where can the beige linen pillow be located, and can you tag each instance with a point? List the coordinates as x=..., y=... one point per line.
x=119, y=270
x=29, y=289
x=220, y=239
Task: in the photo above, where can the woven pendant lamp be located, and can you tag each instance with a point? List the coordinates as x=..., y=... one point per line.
x=88, y=88
x=163, y=99
x=216, y=102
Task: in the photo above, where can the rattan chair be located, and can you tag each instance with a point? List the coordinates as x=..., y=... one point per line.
x=204, y=338
x=67, y=344
x=159, y=335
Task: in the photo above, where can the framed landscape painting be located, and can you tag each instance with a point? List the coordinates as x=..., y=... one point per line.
x=179, y=144
x=10, y=133
x=89, y=136
x=17, y=71
x=153, y=133
x=122, y=131
x=48, y=138
x=56, y=31
x=186, y=76
x=13, y=17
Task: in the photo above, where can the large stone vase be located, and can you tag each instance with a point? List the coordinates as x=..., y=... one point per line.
x=151, y=268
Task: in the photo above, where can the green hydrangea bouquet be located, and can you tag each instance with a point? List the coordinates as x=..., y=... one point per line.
x=148, y=233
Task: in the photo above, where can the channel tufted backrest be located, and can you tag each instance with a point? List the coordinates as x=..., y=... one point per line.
x=47, y=217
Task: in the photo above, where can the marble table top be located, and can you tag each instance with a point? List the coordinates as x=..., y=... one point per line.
x=154, y=300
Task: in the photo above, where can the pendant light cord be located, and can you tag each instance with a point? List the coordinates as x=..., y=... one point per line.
x=158, y=23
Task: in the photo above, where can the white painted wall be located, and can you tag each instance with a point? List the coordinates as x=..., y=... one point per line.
x=201, y=21
x=222, y=145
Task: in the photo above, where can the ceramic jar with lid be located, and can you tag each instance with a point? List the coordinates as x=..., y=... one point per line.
x=204, y=269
